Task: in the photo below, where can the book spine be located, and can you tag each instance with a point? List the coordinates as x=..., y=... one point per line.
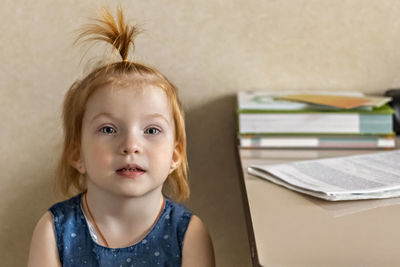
x=317, y=142
x=375, y=124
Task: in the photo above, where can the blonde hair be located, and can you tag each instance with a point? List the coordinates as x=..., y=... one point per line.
x=121, y=36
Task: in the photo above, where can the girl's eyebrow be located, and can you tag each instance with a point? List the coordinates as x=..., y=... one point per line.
x=150, y=116
x=106, y=114
x=158, y=115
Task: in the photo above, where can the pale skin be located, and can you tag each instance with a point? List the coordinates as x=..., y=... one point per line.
x=120, y=128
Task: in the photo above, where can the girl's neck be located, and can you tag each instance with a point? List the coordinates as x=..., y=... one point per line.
x=120, y=207
x=123, y=220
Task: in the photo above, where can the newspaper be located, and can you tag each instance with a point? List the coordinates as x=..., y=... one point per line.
x=367, y=176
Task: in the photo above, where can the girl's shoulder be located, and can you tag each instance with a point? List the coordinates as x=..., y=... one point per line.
x=176, y=210
x=43, y=250
x=198, y=248
x=175, y=216
x=70, y=205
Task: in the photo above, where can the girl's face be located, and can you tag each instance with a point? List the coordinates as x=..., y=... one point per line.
x=127, y=143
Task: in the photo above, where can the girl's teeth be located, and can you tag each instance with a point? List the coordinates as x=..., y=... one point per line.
x=130, y=169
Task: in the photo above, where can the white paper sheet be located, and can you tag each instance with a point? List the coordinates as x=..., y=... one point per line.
x=366, y=176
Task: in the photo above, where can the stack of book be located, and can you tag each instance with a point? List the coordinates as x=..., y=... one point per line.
x=317, y=120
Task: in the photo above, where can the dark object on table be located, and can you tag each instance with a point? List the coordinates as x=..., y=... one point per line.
x=395, y=103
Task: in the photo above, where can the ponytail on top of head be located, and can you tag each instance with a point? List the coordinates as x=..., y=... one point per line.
x=116, y=32
x=119, y=34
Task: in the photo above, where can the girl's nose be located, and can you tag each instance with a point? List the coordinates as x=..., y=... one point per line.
x=131, y=150
x=131, y=146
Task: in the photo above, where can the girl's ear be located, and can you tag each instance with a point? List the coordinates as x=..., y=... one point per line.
x=176, y=159
x=76, y=161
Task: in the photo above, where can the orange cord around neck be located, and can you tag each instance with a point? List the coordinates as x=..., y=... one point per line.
x=94, y=223
x=103, y=239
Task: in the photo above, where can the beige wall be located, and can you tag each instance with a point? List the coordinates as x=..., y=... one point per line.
x=209, y=49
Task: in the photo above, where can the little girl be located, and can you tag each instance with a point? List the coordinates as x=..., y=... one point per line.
x=124, y=153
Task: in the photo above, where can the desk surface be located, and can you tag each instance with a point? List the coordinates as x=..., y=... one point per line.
x=287, y=228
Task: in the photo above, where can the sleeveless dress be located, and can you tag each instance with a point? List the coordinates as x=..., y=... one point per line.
x=162, y=246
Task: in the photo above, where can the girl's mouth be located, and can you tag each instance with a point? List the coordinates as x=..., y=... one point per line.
x=130, y=172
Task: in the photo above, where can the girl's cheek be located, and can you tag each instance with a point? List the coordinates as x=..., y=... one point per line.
x=100, y=154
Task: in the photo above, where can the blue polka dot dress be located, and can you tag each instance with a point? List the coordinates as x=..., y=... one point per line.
x=162, y=246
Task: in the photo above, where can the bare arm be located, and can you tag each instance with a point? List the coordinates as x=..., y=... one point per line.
x=43, y=250
x=197, y=246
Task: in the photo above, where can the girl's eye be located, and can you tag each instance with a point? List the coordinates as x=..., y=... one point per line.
x=108, y=130
x=152, y=130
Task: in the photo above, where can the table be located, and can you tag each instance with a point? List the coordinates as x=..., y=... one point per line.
x=287, y=228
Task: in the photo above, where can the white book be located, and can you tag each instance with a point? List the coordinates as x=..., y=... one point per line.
x=358, y=142
x=300, y=123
